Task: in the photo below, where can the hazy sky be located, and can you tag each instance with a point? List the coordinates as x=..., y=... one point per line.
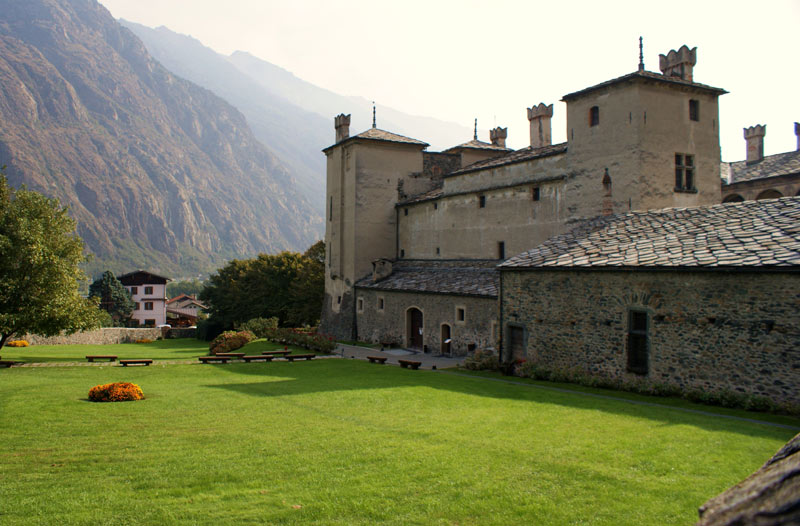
x=462, y=59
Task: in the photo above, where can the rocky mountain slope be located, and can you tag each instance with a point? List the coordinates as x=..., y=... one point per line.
x=160, y=173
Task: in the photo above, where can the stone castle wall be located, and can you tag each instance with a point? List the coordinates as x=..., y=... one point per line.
x=714, y=330
x=98, y=337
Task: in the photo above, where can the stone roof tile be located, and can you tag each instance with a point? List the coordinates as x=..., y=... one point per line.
x=518, y=156
x=786, y=163
x=375, y=134
x=750, y=234
x=465, y=279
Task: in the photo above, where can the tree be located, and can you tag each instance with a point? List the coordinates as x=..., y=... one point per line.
x=307, y=291
x=39, y=272
x=191, y=287
x=114, y=297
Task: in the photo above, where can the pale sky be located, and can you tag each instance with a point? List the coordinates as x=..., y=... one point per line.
x=457, y=60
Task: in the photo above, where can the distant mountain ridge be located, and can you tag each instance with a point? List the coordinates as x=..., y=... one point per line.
x=159, y=173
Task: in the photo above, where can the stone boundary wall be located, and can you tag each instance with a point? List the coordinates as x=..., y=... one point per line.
x=713, y=330
x=97, y=337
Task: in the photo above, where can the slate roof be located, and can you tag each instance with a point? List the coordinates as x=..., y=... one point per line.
x=421, y=277
x=475, y=144
x=518, y=156
x=751, y=234
x=427, y=196
x=770, y=166
x=645, y=75
x=375, y=134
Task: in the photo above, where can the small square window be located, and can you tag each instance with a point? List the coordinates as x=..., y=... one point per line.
x=148, y=305
x=148, y=290
x=402, y=253
x=535, y=193
x=437, y=251
x=136, y=306
x=460, y=314
x=405, y=211
x=481, y=201
x=150, y=323
x=134, y=290
x=684, y=173
x=360, y=304
x=694, y=110
x=436, y=206
x=380, y=303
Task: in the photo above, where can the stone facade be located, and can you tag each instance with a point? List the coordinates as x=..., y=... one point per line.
x=713, y=329
x=98, y=337
x=382, y=316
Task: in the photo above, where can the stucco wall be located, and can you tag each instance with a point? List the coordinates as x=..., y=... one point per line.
x=99, y=337
x=711, y=330
x=390, y=324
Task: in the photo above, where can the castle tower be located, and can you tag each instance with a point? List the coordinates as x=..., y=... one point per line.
x=365, y=174
x=541, y=129
x=754, y=135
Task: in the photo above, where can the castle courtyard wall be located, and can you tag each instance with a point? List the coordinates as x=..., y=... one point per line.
x=712, y=330
x=389, y=325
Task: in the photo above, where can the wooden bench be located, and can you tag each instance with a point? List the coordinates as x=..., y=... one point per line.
x=6, y=363
x=109, y=357
x=214, y=359
x=377, y=359
x=276, y=353
x=409, y=363
x=126, y=363
x=258, y=357
x=230, y=354
x=293, y=357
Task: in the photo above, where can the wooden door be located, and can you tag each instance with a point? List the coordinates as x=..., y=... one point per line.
x=415, y=328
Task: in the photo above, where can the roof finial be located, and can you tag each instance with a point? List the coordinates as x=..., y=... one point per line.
x=641, y=55
x=373, y=114
x=475, y=135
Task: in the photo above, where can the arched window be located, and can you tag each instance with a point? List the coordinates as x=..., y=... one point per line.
x=733, y=198
x=769, y=194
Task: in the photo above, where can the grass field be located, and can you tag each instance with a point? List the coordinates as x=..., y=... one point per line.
x=349, y=443
x=178, y=349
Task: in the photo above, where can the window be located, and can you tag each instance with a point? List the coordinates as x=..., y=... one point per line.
x=594, y=116
x=136, y=306
x=437, y=251
x=150, y=322
x=516, y=343
x=402, y=253
x=405, y=211
x=637, y=342
x=436, y=206
x=684, y=172
x=338, y=300
x=360, y=304
x=148, y=305
x=148, y=290
x=461, y=314
x=501, y=250
x=535, y=193
x=694, y=110
x=481, y=201
x=134, y=290
x=380, y=303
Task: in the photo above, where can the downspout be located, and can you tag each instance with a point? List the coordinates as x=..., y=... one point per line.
x=501, y=329
x=396, y=232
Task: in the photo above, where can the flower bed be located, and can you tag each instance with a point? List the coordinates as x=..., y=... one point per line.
x=144, y=340
x=305, y=338
x=116, y=392
x=17, y=343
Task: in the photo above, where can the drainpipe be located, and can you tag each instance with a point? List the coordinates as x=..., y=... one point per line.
x=500, y=329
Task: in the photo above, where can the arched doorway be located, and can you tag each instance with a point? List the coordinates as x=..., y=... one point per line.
x=733, y=198
x=446, y=339
x=414, y=328
x=769, y=194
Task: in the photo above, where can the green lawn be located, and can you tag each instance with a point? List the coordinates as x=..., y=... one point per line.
x=178, y=349
x=350, y=443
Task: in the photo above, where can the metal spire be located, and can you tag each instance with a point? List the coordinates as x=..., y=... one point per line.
x=475, y=135
x=373, y=114
x=641, y=55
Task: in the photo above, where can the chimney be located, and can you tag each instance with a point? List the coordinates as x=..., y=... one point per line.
x=678, y=63
x=754, y=135
x=342, y=124
x=539, y=117
x=498, y=136
x=797, y=132
x=381, y=269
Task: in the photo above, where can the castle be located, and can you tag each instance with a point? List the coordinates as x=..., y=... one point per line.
x=416, y=241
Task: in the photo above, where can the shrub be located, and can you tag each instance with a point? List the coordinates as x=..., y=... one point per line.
x=144, y=340
x=481, y=360
x=208, y=329
x=116, y=392
x=306, y=338
x=17, y=343
x=260, y=326
x=230, y=341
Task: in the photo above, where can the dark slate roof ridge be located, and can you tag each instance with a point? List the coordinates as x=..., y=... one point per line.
x=376, y=134
x=751, y=234
x=476, y=144
x=517, y=156
x=143, y=272
x=644, y=75
x=481, y=281
x=774, y=165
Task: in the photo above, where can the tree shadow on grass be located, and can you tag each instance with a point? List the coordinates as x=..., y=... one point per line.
x=330, y=376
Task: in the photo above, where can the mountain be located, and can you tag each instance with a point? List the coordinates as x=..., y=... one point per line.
x=293, y=133
x=159, y=173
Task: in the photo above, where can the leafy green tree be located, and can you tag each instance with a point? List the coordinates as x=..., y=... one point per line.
x=114, y=297
x=191, y=287
x=39, y=268
x=307, y=291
